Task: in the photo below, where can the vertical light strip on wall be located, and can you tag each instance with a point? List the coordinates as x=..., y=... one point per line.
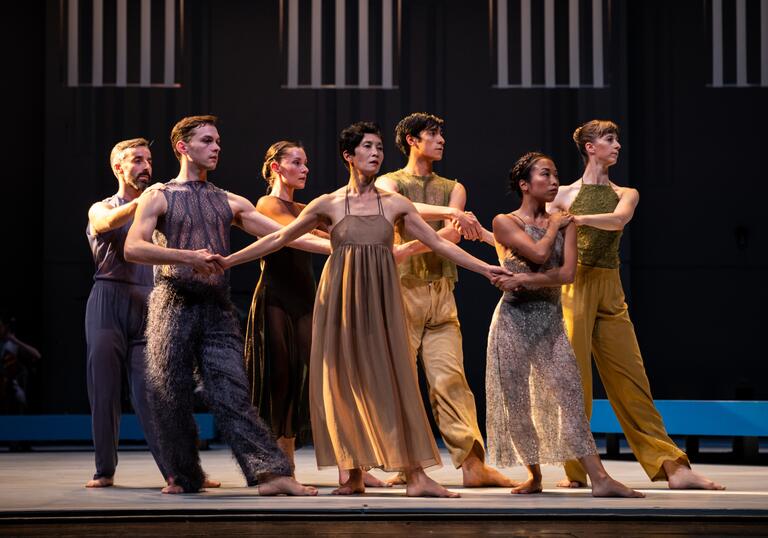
x=73, y=68
x=717, y=43
x=574, y=67
x=597, y=43
x=764, y=42
x=317, y=43
x=293, y=43
x=340, y=64
x=145, y=77
x=386, y=44
x=741, y=43
x=121, y=60
x=169, y=74
x=526, y=76
x=502, y=45
x=549, y=43
x=362, y=44
x=97, y=74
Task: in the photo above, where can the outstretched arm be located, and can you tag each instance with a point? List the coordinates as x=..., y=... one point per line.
x=250, y=220
x=140, y=249
x=620, y=217
x=307, y=220
x=454, y=211
x=416, y=226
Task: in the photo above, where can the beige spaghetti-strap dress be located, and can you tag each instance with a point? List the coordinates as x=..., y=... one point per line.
x=365, y=404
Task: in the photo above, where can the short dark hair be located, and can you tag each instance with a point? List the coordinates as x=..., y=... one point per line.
x=413, y=125
x=521, y=171
x=351, y=136
x=185, y=127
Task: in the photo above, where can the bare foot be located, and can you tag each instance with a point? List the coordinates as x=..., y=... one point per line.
x=172, y=488
x=354, y=483
x=567, y=483
x=397, y=480
x=283, y=485
x=101, y=482
x=479, y=476
x=208, y=483
x=530, y=486
x=612, y=488
x=421, y=485
x=683, y=477
x=369, y=480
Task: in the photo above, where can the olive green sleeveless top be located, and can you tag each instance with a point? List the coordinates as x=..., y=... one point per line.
x=597, y=248
x=433, y=190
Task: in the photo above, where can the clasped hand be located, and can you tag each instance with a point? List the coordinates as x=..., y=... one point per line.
x=468, y=226
x=206, y=263
x=509, y=281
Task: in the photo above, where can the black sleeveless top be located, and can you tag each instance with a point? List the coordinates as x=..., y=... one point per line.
x=287, y=277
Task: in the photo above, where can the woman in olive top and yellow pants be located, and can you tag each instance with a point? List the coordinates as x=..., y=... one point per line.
x=596, y=314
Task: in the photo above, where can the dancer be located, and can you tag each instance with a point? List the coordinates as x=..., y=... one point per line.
x=279, y=331
x=364, y=397
x=115, y=314
x=596, y=314
x=428, y=280
x=535, y=407
x=192, y=324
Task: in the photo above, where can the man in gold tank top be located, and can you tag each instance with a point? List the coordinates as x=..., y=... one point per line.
x=427, y=282
x=596, y=314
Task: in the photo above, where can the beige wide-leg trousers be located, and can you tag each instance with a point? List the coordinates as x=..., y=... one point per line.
x=435, y=337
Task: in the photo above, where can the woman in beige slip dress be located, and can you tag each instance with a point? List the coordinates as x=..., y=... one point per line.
x=365, y=403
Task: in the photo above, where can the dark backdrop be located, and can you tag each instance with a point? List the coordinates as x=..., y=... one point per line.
x=693, y=257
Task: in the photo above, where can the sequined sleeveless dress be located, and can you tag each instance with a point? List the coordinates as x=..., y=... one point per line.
x=535, y=407
x=365, y=404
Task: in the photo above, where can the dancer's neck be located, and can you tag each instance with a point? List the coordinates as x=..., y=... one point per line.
x=596, y=174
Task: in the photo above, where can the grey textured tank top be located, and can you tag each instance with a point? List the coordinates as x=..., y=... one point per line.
x=198, y=216
x=107, y=250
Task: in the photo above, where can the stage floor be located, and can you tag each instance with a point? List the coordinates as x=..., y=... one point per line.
x=50, y=484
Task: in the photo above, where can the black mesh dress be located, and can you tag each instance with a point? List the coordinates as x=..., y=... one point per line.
x=278, y=339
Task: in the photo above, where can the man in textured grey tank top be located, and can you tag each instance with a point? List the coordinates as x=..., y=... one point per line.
x=115, y=313
x=191, y=323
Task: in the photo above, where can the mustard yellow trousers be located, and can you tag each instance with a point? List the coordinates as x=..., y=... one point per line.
x=598, y=326
x=435, y=337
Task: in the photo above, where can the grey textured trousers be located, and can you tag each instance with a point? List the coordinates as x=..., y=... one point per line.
x=115, y=316
x=193, y=328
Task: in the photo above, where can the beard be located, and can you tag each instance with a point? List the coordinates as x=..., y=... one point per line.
x=140, y=182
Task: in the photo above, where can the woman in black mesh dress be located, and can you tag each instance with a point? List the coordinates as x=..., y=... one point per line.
x=279, y=332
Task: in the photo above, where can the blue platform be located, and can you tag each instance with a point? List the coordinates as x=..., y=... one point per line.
x=78, y=428
x=722, y=418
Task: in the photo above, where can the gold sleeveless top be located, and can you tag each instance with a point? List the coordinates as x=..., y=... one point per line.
x=433, y=190
x=597, y=248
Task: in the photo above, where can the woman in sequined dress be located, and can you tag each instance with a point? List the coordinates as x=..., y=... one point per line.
x=535, y=409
